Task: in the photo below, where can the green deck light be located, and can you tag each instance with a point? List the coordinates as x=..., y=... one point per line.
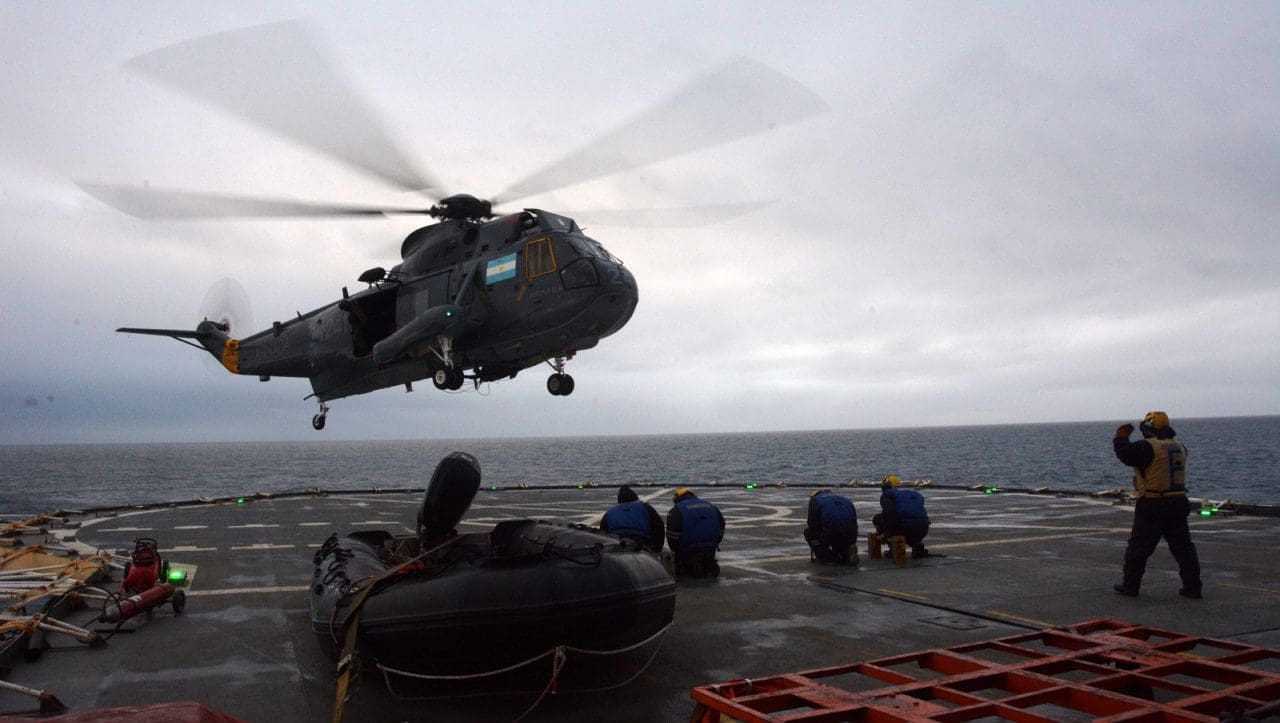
x=991, y=490
x=177, y=575
x=750, y=485
x=239, y=500
x=1208, y=511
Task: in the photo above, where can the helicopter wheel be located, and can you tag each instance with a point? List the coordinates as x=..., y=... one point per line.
x=317, y=422
x=455, y=379
x=560, y=384
x=447, y=379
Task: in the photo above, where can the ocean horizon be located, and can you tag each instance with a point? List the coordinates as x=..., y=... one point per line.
x=1229, y=458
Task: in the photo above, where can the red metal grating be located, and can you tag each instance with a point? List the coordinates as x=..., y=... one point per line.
x=1097, y=670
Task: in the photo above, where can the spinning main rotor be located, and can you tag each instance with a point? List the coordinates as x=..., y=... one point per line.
x=305, y=100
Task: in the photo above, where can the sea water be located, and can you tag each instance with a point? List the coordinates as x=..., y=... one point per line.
x=1229, y=458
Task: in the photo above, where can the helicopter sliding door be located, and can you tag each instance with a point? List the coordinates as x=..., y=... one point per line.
x=372, y=317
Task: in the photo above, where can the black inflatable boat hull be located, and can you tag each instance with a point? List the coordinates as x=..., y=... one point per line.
x=548, y=586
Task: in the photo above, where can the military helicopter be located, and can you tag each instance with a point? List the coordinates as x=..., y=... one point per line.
x=479, y=295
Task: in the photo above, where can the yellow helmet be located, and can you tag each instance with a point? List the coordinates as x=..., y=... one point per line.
x=1155, y=421
x=680, y=493
x=890, y=480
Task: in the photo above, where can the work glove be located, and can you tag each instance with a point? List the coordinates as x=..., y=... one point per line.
x=1123, y=431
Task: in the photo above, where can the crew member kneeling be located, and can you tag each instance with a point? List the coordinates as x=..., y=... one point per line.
x=634, y=520
x=695, y=528
x=902, y=513
x=832, y=531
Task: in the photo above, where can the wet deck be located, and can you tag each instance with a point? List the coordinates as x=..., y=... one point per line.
x=1007, y=563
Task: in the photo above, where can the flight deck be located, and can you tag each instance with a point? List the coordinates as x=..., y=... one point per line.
x=1003, y=564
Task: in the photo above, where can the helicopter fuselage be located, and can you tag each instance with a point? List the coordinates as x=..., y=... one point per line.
x=489, y=298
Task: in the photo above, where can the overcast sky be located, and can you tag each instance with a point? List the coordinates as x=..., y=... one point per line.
x=1012, y=212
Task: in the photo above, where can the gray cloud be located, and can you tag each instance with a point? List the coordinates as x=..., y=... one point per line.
x=1011, y=213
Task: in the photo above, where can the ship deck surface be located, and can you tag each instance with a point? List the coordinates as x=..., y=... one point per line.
x=1005, y=563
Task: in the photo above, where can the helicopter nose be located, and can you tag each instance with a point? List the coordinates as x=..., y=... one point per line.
x=621, y=299
x=623, y=279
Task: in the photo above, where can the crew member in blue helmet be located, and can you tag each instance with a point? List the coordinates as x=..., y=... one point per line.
x=832, y=531
x=695, y=528
x=1159, y=465
x=634, y=520
x=902, y=513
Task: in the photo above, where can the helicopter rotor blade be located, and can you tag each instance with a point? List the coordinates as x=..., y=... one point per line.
x=741, y=98
x=169, y=204
x=680, y=217
x=276, y=76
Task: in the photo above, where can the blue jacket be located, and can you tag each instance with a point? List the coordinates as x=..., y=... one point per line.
x=832, y=515
x=629, y=519
x=908, y=505
x=694, y=524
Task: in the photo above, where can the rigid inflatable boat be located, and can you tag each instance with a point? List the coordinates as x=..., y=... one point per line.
x=438, y=603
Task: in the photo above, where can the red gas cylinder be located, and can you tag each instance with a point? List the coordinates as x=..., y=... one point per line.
x=143, y=601
x=144, y=567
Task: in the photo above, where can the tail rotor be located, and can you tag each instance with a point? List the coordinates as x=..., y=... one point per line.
x=227, y=303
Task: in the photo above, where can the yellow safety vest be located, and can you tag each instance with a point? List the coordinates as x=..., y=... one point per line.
x=1166, y=476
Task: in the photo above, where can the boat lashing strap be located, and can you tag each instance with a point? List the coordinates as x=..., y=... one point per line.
x=560, y=658
x=347, y=660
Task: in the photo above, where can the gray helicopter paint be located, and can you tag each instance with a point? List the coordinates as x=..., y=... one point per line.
x=498, y=329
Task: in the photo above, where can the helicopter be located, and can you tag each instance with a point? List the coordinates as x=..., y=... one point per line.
x=481, y=294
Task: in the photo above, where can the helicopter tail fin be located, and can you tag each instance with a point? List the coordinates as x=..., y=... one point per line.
x=210, y=336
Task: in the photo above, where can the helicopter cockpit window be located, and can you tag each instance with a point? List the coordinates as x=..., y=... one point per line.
x=578, y=274
x=590, y=247
x=539, y=258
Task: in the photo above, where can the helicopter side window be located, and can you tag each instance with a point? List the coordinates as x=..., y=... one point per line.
x=539, y=258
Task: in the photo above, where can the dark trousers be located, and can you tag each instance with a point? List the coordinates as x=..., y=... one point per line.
x=830, y=547
x=914, y=530
x=1154, y=518
x=696, y=563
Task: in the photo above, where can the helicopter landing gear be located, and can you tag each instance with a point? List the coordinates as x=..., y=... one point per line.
x=447, y=379
x=559, y=384
x=317, y=422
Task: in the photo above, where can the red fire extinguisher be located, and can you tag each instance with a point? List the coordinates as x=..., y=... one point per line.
x=143, y=601
x=145, y=567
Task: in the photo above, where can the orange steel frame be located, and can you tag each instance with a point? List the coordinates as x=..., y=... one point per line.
x=1097, y=670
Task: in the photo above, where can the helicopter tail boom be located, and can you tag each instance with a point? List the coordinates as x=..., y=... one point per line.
x=208, y=335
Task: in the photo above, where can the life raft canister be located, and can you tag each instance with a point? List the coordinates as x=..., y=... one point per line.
x=629, y=519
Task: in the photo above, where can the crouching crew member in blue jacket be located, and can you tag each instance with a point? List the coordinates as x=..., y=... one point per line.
x=695, y=528
x=902, y=513
x=832, y=531
x=634, y=520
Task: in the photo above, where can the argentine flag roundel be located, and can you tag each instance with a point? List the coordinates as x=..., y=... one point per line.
x=500, y=269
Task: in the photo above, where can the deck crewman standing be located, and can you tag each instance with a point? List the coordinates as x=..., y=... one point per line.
x=1159, y=465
